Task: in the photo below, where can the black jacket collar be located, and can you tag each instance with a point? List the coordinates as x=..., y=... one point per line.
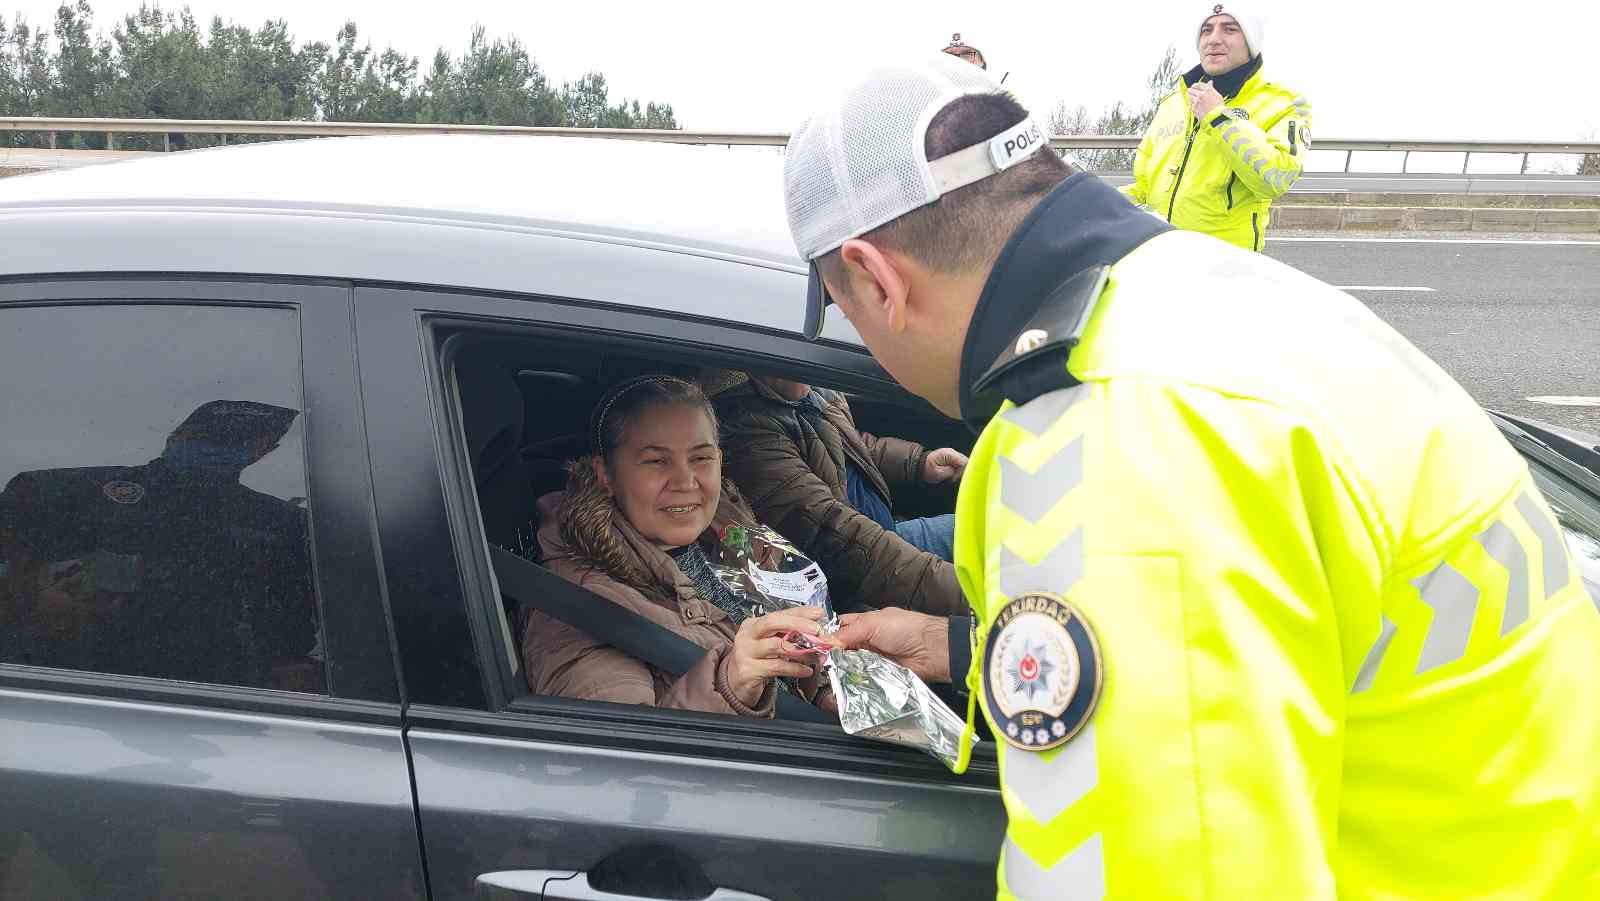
x=1081, y=224
x=1227, y=84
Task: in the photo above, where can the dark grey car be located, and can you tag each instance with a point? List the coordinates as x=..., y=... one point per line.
x=266, y=409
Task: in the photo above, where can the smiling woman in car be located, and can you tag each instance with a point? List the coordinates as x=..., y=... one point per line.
x=632, y=527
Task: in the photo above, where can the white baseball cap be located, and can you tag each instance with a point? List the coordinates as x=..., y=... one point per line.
x=859, y=162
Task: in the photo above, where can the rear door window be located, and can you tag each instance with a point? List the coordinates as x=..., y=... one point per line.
x=154, y=518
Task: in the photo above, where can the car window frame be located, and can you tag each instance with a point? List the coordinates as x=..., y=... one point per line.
x=506, y=708
x=361, y=682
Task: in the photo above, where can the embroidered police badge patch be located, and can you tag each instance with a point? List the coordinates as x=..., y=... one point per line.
x=124, y=492
x=1240, y=112
x=1041, y=672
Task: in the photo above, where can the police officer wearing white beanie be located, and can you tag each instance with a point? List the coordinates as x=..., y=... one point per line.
x=1226, y=142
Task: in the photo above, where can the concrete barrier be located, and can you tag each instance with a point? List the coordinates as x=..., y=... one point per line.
x=1443, y=219
x=1383, y=211
x=1577, y=221
x=1291, y=216
x=1422, y=200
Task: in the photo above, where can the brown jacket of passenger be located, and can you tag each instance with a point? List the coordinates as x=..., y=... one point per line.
x=639, y=576
x=791, y=469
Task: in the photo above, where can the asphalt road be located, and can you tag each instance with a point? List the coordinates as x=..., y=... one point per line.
x=1510, y=321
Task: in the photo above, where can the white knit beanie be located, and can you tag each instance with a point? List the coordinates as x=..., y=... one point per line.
x=1250, y=22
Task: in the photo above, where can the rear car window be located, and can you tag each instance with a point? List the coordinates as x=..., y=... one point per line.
x=154, y=518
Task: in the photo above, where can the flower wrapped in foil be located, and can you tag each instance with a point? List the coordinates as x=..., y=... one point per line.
x=764, y=570
x=877, y=697
x=881, y=699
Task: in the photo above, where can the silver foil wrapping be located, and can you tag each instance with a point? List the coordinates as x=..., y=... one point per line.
x=767, y=573
x=881, y=699
x=877, y=697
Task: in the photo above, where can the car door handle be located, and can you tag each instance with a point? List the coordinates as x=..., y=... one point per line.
x=568, y=885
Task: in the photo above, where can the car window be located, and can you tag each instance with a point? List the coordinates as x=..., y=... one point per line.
x=1578, y=511
x=154, y=518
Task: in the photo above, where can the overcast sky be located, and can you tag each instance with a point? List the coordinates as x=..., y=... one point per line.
x=1401, y=68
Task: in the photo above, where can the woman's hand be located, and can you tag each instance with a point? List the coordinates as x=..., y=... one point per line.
x=762, y=651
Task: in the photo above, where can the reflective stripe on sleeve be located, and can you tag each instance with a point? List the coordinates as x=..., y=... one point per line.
x=1507, y=551
x=1374, y=659
x=1555, y=550
x=1455, y=604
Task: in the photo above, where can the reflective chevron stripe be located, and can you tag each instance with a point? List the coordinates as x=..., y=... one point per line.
x=1056, y=573
x=1555, y=550
x=1507, y=551
x=1046, y=784
x=1031, y=495
x=1079, y=876
x=1455, y=604
x=1455, y=599
x=1369, y=667
x=1038, y=415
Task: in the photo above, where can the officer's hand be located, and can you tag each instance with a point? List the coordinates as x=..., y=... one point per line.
x=1203, y=98
x=917, y=641
x=942, y=465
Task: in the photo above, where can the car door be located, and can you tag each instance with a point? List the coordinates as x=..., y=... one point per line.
x=198, y=696
x=528, y=797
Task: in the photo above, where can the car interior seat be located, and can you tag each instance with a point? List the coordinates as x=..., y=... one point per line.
x=558, y=408
x=493, y=417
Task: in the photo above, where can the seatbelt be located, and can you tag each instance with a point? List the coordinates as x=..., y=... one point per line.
x=536, y=587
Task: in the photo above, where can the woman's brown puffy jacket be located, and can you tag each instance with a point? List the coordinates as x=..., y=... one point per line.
x=564, y=661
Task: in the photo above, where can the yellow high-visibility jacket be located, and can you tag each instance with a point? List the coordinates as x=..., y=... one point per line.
x=1221, y=175
x=1313, y=625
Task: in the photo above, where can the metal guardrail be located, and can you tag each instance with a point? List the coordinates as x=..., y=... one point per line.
x=225, y=127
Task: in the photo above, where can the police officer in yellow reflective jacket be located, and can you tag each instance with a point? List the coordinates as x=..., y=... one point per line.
x=1263, y=606
x=1226, y=142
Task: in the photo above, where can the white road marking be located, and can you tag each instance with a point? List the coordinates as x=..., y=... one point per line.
x=1382, y=288
x=1566, y=400
x=1556, y=243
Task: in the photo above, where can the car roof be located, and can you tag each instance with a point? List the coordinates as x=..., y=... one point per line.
x=468, y=211
x=717, y=198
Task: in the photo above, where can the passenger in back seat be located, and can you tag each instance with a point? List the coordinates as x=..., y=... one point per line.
x=632, y=527
x=808, y=472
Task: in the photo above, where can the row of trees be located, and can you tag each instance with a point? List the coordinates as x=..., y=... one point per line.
x=162, y=64
x=1118, y=119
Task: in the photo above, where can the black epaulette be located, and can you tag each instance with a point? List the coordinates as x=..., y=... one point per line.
x=1034, y=363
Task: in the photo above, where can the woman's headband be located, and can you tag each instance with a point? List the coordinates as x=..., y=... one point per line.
x=616, y=394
